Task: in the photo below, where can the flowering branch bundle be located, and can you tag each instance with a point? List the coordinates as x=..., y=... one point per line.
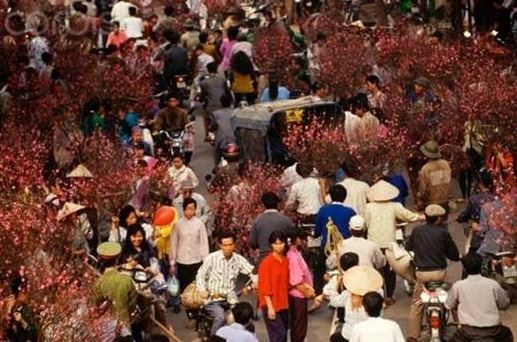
x=22, y=162
x=318, y=144
x=113, y=170
x=236, y=207
x=341, y=62
x=273, y=50
x=325, y=146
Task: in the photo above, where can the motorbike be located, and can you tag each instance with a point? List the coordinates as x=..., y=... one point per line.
x=171, y=142
x=204, y=320
x=502, y=267
x=182, y=85
x=433, y=297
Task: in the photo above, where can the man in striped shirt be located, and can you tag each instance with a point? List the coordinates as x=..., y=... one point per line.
x=216, y=279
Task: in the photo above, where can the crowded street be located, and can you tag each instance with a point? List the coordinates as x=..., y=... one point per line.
x=258, y=170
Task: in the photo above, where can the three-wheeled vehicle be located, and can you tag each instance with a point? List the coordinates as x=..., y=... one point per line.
x=259, y=129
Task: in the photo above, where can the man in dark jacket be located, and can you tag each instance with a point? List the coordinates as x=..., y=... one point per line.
x=432, y=245
x=172, y=117
x=213, y=88
x=175, y=57
x=267, y=223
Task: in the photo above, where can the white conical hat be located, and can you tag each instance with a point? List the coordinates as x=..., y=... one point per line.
x=68, y=208
x=360, y=280
x=80, y=172
x=382, y=191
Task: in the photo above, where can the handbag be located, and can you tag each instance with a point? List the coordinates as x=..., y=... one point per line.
x=191, y=298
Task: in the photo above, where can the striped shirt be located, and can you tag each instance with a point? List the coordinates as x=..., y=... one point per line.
x=218, y=275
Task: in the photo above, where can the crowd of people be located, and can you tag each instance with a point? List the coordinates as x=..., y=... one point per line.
x=315, y=240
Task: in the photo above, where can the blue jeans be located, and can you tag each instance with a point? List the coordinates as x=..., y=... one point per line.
x=216, y=310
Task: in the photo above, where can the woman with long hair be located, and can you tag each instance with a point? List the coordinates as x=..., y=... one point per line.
x=274, y=92
x=137, y=247
x=126, y=218
x=242, y=78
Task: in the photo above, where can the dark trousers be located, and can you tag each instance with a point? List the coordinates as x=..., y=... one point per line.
x=315, y=258
x=466, y=177
x=249, y=97
x=186, y=274
x=390, y=278
x=337, y=337
x=277, y=328
x=187, y=156
x=466, y=333
x=340, y=314
x=298, y=313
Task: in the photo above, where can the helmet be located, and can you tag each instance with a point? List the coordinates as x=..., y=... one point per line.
x=231, y=152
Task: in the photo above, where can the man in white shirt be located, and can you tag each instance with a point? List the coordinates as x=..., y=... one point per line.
x=216, y=278
x=203, y=59
x=355, y=190
x=133, y=26
x=289, y=177
x=375, y=328
x=368, y=125
x=305, y=195
x=478, y=300
x=352, y=128
x=369, y=253
x=120, y=11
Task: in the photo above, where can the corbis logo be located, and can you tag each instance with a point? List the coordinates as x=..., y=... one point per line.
x=61, y=22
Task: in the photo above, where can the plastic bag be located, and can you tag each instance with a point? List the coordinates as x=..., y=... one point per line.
x=173, y=286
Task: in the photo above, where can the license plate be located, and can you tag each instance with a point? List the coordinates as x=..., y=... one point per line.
x=181, y=84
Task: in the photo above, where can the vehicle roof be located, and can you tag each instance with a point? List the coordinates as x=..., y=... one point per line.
x=258, y=116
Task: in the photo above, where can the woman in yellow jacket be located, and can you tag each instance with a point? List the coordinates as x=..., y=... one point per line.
x=164, y=220
x=242, y=78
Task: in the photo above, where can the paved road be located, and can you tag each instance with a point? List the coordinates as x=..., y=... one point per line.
x=319, y=322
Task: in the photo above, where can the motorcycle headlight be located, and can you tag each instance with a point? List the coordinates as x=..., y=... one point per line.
x=140, y=276
x=425, y=297
x=442, y=296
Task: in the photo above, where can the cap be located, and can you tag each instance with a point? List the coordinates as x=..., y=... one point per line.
x=357, y=222
x=433, y=210
x=108, y=250
x=422, y=81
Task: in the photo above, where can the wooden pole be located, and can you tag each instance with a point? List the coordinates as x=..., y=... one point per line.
x=169, y=333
